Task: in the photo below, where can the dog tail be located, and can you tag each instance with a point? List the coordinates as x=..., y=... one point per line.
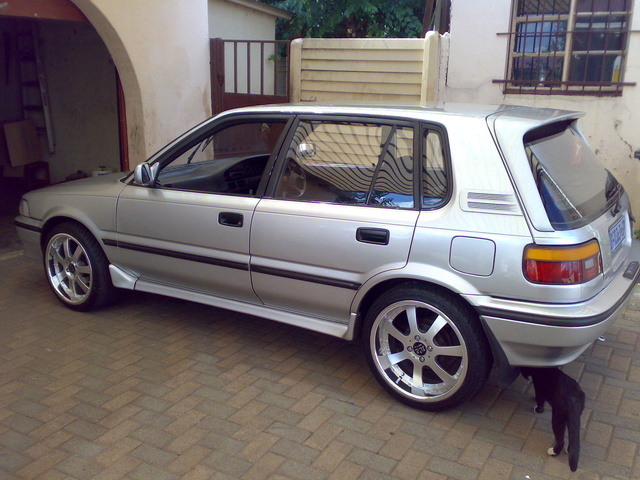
x=573, y=426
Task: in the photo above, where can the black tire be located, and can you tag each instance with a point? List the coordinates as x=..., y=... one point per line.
x=426, y=347
x=76, y=268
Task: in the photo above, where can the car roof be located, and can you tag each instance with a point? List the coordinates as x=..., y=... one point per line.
x=527, y=115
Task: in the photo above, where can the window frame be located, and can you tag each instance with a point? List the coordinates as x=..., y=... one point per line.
x=185, y=142
x=279, y=169
x=420, y=129
x=565, y=86
x=425, y=128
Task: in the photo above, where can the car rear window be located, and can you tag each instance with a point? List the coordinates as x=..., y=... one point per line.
x=574, y=186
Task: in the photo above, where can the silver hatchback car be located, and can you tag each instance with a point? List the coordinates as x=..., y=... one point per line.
x=448, y=239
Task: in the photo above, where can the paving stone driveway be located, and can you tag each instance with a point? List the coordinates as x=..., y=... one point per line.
x=154, y=388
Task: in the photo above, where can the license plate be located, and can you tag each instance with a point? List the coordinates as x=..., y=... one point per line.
x=617, y=234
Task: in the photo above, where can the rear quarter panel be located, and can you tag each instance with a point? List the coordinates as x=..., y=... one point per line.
x=483, y=207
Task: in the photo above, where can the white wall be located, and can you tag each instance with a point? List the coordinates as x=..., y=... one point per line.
x=161, y=51
x=234, y=22
x=478, y=55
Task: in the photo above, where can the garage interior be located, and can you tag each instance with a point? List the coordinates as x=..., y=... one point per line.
x=59, y=109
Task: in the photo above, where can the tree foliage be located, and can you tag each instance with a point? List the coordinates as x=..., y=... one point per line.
x=350, y=18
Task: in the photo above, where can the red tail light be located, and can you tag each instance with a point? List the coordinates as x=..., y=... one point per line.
x=563, y=265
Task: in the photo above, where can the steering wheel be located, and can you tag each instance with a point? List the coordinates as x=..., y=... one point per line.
x=294, y=181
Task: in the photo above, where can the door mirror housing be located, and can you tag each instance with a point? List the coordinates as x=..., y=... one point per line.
x=307, y=150
x=146, y=174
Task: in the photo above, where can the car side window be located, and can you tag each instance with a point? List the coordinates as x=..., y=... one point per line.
x=231, y=160
x=434, y=172
x=351, y=163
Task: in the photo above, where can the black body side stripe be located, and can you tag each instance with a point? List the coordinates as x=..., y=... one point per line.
x=183, y=256
x=306, y=277
x=544, y=320
x=26, y=226
x=560, y=322
x=237, y=265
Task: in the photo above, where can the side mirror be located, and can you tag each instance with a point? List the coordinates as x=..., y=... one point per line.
x=307, y=150
x=145, y=174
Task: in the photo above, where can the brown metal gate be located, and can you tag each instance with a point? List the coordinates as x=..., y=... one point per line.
x=248, y=72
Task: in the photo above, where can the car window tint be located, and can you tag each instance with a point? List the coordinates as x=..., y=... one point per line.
x=349, y=163
x=555, y=153
x=434, y=175
x=232, y=160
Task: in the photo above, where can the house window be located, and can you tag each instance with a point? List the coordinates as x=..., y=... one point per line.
x=568, y=47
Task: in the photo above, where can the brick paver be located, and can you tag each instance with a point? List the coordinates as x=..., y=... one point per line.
x=156, y=388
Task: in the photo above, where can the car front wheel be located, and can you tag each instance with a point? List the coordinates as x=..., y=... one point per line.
x=425, y=347
x=77, y=268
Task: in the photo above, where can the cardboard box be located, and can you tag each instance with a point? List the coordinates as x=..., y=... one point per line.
x=19, y=144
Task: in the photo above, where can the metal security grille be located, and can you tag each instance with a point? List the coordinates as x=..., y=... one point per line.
x=568, y=47
x=248, y=72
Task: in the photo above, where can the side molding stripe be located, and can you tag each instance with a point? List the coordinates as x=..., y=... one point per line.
x=305, y=277
x=557, y=322
x=26, y=226
x=236, y=265
x=183, y=256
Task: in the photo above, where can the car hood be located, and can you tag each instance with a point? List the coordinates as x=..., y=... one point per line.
x=70, y=199
x=102, y=185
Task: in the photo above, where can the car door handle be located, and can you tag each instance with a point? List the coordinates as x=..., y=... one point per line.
x=378, y=236
x=231, y=219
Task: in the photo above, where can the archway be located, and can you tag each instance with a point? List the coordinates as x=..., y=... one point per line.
x=130, y=99
x=58, y=79
x=37, y=16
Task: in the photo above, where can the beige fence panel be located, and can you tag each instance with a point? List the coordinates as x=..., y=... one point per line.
x=401, y=71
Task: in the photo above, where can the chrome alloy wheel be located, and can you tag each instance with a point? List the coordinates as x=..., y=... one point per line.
x=68, y=268
x=419, y=351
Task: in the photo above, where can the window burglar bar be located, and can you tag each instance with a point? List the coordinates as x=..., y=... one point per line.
x=567, y=47
x=565, y=87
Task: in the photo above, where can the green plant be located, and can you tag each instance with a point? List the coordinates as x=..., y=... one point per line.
x=350, y=18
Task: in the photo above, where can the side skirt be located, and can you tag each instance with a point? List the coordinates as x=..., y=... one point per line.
x=121, y=279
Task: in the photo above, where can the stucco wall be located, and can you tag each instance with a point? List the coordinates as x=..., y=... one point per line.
x=161, y=51
x=234, y=22
x=478, y=55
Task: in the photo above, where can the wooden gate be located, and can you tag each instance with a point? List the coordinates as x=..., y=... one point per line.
x=248, y=72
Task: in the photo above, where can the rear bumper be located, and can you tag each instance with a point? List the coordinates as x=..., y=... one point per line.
x=535, y=334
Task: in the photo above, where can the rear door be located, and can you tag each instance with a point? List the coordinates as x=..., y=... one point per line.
x=342, y=210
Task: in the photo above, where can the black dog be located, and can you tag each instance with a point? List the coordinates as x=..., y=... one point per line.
x=567, y=402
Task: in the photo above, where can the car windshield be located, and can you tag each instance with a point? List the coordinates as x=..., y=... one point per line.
x=574, y=186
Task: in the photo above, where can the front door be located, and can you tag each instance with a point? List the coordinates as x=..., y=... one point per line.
x=191, y=230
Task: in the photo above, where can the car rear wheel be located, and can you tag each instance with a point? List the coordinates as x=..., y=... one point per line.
x=77, y=268
x=426, y=347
